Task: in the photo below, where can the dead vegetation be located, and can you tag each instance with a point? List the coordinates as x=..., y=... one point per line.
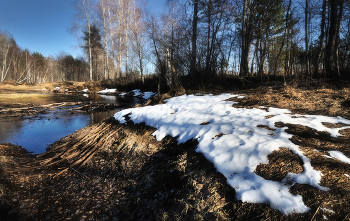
x=326, y=102
x=110, y=171
x=280, y=163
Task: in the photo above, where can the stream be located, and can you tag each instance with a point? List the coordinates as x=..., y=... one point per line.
x=37, y=133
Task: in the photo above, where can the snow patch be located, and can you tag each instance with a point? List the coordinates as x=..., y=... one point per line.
x=340, y=156
x=83, y=91
x=327, y=210
x=144, y=95
x=242, y=146
x=327, y=156
x=138, y=93
x=107, y=91
x=148, y=95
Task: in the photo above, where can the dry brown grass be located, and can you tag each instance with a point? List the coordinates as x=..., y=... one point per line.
x=139, y=178
x=314, y=144
x=135, y=177
x=14, y=96
x=303, y=101
x=25, y=100
x=39, y=88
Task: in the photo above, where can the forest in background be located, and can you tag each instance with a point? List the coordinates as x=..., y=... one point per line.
x=200, y=42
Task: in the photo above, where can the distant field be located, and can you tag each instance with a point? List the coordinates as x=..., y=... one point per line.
x=10, y=88
x=23, y=95
x=21, y=99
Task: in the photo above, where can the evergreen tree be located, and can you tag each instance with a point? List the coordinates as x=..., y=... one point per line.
x=96, y=47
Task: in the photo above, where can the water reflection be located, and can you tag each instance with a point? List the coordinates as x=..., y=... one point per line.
x=97, y=117
x=35, y=134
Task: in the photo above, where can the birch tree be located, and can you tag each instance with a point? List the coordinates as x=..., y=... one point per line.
x=5, y=44
x=83, y=21
x=103, y=10
x=138, y=37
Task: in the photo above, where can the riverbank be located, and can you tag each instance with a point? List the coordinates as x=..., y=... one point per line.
x=31, y=100
x=88, y=176
x=52, y=116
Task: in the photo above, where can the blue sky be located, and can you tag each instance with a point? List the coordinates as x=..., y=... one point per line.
x=42, y=25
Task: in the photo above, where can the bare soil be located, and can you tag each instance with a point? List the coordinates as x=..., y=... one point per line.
x=110, y=171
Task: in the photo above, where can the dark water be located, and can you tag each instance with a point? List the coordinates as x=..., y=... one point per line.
x=35, y=134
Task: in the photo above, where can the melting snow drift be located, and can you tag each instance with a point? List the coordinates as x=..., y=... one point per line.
x=144, y=95
x=138, y=93
x=240, y=146
x=340, y=156
x=107, y=91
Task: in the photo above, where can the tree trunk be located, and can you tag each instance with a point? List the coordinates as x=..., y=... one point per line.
x=111, y=39
x=105, y=44
x=332, y=47
x=193, y=70
x=337, y=41
x=244, y=69
x=306, y=37
x=88, y=22
x=127, y=37
x=5, y=53
x=208, y=40
x=321, y=39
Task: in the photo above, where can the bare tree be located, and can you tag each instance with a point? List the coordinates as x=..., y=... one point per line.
x=5, y=44
x=322, y=36
x=246, y=36
x=119, y=13
x=336, y=13
x=103, y=9
x=83, y=9
x=193, y=70
x=138, y=37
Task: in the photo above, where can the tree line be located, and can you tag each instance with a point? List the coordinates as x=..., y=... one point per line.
x=22, y=66
x=196, y=41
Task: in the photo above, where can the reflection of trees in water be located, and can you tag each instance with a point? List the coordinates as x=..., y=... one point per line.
x=107, y=99
x=8, y=128
x=110, y=99
x=97, y=117
x=46, y=128
x=115, y=99
x=75, y=121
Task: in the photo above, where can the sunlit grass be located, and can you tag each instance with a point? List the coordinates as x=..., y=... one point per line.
x=36, y=99
x=38, y=88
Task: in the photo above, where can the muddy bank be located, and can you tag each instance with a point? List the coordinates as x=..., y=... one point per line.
x=75, y=107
